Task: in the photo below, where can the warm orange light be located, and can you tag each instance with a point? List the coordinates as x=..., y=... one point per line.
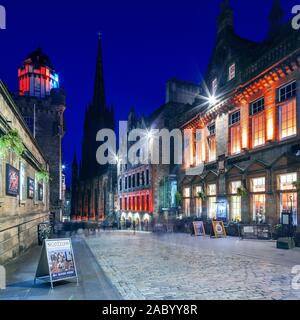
x=270, y=129
x=245, y=138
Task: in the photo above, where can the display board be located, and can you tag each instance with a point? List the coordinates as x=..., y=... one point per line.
x=57, y=261
x=260, y=232
x=199, y=229
x=218, y=229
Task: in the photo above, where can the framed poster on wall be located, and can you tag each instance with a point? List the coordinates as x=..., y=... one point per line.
x=30, y=188
x=12, y=181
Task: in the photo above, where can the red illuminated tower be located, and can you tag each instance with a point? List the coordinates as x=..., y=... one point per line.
x=42, y=104
x=37, y=76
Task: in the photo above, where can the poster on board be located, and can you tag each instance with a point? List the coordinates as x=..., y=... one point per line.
x=57, y=261
x=218, y=229
x=199, y=229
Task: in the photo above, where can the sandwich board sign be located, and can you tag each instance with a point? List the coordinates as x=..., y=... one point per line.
x=57, y=261
x=199, y=229
x=218, y=229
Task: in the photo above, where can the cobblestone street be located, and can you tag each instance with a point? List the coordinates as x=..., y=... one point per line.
x=178, y=266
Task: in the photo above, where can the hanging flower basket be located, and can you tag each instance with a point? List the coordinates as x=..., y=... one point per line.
x=242, y=192
x=43, y=176
x=201, y=195
x=11, y=141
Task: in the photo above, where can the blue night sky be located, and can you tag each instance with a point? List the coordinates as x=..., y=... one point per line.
x=145, y=43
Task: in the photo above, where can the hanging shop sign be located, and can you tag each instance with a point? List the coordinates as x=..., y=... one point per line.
x=12, y=181
x=57, y=261
x=218, y=229
x=199, y=229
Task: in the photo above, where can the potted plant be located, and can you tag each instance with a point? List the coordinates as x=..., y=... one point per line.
x=11, y=141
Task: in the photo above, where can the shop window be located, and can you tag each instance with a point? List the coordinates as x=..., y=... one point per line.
x=287, y=91
x=198, y=202
x=288, y=203
x=212, y=190
x=286, y=181
x=235, y=201
x=212, y=201
x=288, y=120
x=212, y=207
x=258, y=130
x=234, y=186
x=236, y=208
x=258, y=185
x=187, y=201
x=259, y=208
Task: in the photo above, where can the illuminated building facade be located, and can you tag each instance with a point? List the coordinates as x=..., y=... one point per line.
x=42, y=104
x=249, y=150
x=147, y=193
x=94, y=185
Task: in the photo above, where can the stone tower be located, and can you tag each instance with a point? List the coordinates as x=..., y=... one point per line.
x=95, y=196
x=42, y=103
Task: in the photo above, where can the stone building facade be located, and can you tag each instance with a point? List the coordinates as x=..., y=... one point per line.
x=94, y=185
x=147, y=191
x=24, y=201
x=245, y=137
x=42, y=103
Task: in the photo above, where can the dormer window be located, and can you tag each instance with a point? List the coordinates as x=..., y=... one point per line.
x=231, y=72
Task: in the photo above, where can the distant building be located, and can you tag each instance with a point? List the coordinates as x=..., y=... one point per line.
x=93, y=185
x=42, y=103
x=249, y=147
x=147, y=192
x=24, y=201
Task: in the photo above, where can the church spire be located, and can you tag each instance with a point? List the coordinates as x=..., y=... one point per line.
x=99, y=93
x=276, y=18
